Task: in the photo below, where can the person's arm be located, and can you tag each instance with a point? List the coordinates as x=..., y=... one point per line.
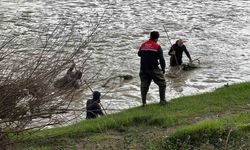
x=139, y=53
x=162, y=60
x=95, y=106
x=99, y=110
x=171, y=51
x=71, y=68
x=187, y=53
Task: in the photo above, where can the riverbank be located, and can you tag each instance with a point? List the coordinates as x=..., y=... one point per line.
x=218, y=119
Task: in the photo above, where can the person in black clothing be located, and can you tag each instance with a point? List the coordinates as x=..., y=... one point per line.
x=93, y=106
x=151, y=54
x=70, y=79
x=176, y=52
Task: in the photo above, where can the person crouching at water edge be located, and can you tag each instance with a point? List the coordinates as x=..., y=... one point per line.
x=70, y=79
x=93, y=106
x=151, y=54
x=176, y=52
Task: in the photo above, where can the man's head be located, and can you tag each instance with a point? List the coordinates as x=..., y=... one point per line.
x=180, y=42
x=96, y=95
x=154, y=36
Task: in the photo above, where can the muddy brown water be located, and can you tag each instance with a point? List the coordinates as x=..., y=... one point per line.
x=216, y=31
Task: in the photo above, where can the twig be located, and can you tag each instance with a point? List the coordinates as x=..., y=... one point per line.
x=228, y=136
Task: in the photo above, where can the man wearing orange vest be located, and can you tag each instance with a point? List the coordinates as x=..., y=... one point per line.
x=151, y=55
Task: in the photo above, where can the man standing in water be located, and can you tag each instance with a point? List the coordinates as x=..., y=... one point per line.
x=150, y=52
x=69, y=80
x=176, y=52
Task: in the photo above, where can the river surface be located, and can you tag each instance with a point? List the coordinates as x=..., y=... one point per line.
x=217, y=31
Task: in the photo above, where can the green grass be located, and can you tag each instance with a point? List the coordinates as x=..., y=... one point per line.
x=38, y=148
x=217, y=134
x=180, y=111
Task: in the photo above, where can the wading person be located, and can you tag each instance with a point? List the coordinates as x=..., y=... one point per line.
x=176, y=52
x=93, y=106
x=151, y=55
x=70, y=79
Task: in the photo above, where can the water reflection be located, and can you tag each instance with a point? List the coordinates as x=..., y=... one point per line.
x=176, y=78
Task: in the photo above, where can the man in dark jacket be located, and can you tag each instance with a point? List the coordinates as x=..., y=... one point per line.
x=151, y=54
x=176, y=52
x=69, y=80
x=93, y=106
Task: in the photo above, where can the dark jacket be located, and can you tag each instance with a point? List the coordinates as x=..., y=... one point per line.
x=93, y=109
x=178, y=54
x=150, y=52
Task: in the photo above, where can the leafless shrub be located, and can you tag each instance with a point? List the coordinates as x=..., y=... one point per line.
x=30, y=62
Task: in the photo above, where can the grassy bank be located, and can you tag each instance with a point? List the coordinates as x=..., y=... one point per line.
x=141, y=127
x=231, y=132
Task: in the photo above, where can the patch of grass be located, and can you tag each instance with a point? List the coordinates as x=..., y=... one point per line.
x=194, y=135
x=177, y=112
x=38, y=148
x=62, y=143
x=100, y=137
x=232, y=132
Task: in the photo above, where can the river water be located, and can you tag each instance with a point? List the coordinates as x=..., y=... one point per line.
x=217, y=31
